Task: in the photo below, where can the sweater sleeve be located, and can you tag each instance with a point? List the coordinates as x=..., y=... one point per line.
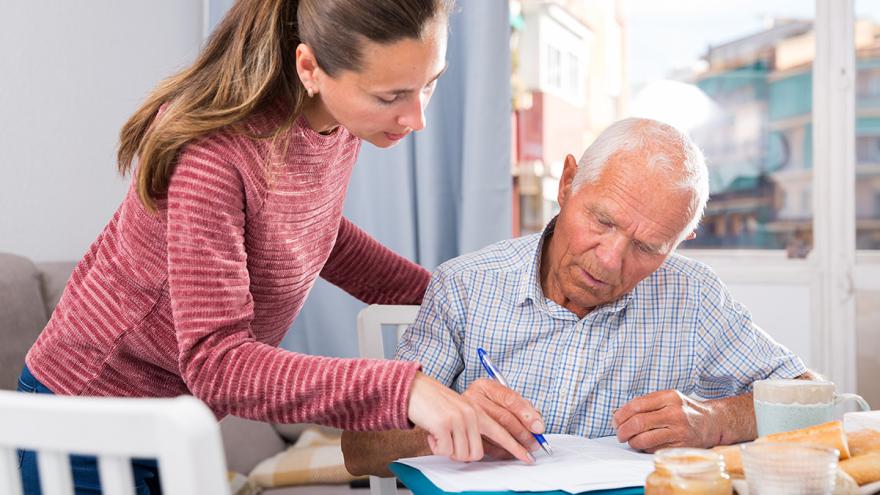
x=371, y=272
x=219, y=359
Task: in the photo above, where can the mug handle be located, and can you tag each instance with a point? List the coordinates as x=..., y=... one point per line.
x=863, y=404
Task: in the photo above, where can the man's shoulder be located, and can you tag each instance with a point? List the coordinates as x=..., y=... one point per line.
x=509, y=255
x=680, y=269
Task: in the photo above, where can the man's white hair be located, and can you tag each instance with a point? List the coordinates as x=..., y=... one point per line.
x=663, y=147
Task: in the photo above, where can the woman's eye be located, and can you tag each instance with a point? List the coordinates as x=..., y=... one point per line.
x=387, y=101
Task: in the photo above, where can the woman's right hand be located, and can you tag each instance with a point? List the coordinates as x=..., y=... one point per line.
x=455, y=426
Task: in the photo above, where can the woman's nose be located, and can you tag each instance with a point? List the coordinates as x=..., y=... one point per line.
x=414, y=115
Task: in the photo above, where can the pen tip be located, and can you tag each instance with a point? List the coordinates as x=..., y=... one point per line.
x=547, y=448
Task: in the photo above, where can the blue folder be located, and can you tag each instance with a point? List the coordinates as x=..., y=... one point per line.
x=419, y=484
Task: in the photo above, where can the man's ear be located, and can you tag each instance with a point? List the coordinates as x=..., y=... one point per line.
x=691, y=236
x=569, y=170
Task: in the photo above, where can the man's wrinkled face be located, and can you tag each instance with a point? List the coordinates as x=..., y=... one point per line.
x=612, y=234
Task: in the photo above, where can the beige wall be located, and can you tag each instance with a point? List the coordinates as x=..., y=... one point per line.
x=562, y=134
x=868, y=346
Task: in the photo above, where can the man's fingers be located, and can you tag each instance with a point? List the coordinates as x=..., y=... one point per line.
x=521, y=408
x=509, y=422
x=643, y=404
x=641, y=423
x=501, y=437
x=652, y=440
x=510, y=400
x=494, y=451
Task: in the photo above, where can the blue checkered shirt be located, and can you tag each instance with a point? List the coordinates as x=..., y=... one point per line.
x=677, y=329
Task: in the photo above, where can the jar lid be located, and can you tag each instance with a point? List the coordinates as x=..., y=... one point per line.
x=688, y=460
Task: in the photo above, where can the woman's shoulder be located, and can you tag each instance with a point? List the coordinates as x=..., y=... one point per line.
x=278, y=136
x=250, y=154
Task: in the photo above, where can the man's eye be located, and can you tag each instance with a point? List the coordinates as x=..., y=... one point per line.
x=387, y=101
x=645, y=249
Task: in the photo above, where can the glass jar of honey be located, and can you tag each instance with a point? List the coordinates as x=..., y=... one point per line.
x=688, y=472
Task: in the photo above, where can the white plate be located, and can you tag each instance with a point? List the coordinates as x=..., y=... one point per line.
x=870, y=489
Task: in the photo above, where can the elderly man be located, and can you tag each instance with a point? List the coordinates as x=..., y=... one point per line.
x=596, y=322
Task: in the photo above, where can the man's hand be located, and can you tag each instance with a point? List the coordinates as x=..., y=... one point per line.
x=508, y=409
x=667, y=418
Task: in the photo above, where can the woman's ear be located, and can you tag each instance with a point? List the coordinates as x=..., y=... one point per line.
x=307, y=68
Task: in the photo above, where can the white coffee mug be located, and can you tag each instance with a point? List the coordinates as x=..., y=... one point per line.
x=785, y=405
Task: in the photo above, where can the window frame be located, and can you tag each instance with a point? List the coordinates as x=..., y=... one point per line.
x=830, y=268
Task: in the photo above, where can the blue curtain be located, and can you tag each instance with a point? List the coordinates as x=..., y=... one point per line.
x=441, y=192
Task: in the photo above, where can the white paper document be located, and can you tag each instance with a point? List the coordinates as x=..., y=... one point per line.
x=578, y=465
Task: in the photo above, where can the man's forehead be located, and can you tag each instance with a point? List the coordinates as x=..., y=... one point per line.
x=656, y=223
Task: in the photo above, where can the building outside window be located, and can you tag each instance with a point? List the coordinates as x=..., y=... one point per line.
x=739, y=77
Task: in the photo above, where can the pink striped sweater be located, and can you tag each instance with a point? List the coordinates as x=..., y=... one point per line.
x=195, y=300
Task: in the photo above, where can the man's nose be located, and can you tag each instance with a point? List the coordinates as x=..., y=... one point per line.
x=610, y=253
x=413, y=116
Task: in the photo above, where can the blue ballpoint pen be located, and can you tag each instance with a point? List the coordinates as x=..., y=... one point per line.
x=496, y=374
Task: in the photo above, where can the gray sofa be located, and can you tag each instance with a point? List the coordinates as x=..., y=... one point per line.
x=29, y=292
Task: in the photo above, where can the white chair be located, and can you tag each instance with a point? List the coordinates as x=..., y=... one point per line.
x=181, y=434
x=371, y=344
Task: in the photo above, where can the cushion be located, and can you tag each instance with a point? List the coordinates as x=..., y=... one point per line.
x=316, y=458
x=22, y=315
x=248, y=442
x=291, y=432
x=239, y=484
x=320, y=490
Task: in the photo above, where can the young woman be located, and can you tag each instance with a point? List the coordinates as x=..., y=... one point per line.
x=235, y=208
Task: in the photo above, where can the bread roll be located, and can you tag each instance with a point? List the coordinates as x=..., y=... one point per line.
x=863, y=441
x=864, y=468
x=829, y=434
x=732, y=460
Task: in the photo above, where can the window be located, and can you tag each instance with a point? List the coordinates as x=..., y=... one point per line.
x=564, y=73
x=748, y=83
x=867, y=124
x=554, y=67
x=868, y=150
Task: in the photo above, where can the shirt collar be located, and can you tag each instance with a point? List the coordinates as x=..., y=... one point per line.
x=530, y=285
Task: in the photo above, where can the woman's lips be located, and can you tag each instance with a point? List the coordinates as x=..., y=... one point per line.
x=395, y=137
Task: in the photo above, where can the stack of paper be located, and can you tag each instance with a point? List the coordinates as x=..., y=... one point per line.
x=577, y=465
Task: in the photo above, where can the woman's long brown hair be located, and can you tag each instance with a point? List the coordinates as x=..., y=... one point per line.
x=248, y=63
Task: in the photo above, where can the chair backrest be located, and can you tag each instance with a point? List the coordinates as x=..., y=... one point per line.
x=370, y=320
x=371, y=344
x=181, y=434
